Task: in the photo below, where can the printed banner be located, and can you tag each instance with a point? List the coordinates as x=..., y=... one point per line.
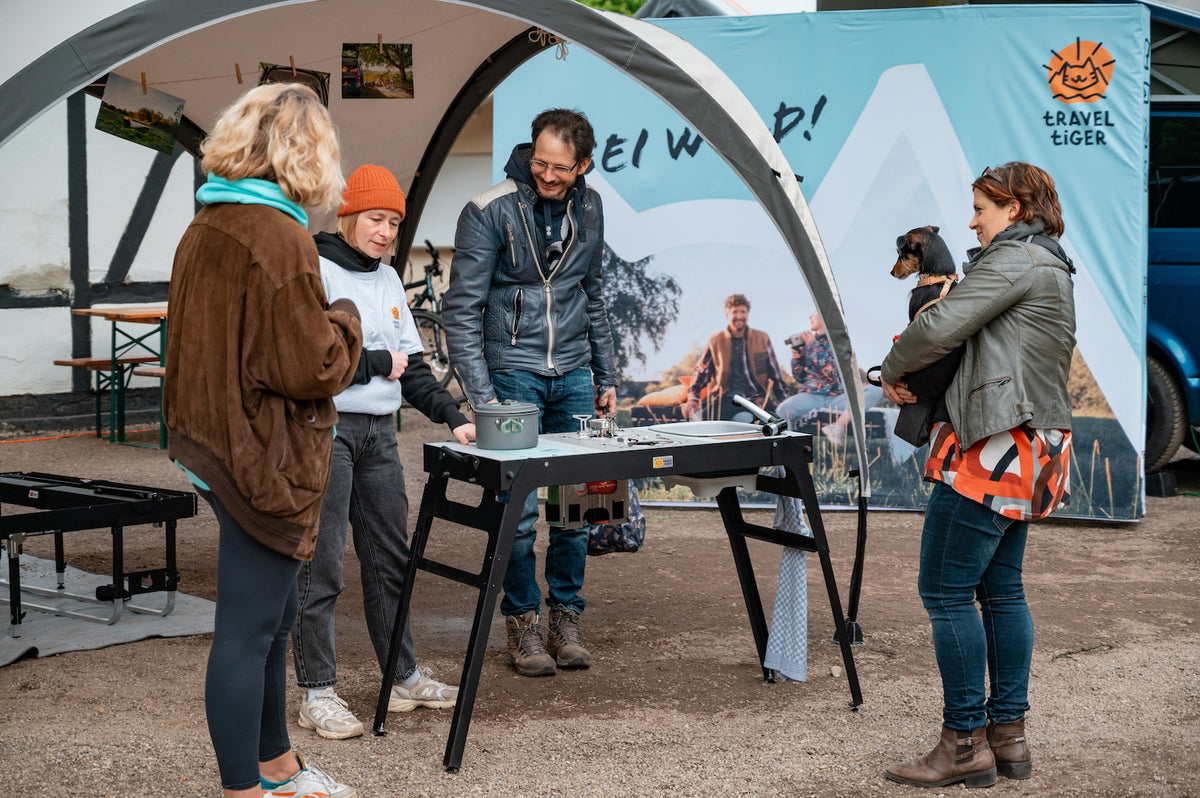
x=886, y=117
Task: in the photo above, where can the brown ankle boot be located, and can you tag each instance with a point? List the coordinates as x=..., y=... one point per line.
x=564, y=642
x=1007, y=741
x=526, y=647
x=958, y=756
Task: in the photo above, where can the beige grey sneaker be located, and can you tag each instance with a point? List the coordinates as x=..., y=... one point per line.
x=329, y=717
x=427, y=692
x=565, y=643
x=526, y=649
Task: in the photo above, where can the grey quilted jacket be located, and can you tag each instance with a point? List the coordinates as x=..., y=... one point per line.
x=1015, y=309
x=505, y=309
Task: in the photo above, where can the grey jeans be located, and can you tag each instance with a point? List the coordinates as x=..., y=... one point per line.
x=366, y=492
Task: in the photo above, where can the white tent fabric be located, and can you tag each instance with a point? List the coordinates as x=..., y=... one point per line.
x=460, y=49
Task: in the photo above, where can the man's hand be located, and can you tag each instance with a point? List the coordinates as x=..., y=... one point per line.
x=690, y=408
x=606, y=403
x=464, y=433
x=808, y=336
x=399, y=364
x=898, y=392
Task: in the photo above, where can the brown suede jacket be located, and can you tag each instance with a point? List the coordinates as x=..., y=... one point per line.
x=254, y=355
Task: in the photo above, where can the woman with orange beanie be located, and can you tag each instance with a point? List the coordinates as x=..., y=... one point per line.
x=366, y=482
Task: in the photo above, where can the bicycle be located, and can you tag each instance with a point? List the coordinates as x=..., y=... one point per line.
x=429, y=322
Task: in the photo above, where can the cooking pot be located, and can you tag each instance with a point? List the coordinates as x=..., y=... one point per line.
x=506, y=425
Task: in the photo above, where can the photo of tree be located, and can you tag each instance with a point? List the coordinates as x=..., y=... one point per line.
x=150, y=119
x=377, y=72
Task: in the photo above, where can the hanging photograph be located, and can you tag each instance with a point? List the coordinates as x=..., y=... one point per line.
x=149, y=117
x=377, y=71
x=285, y=73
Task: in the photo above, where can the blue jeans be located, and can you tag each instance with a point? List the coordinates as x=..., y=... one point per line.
x=366, y=493
x=970, y=553
x=559, y=399
x=797, y=406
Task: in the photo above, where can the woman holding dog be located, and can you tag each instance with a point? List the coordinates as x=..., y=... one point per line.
x=1000, y=462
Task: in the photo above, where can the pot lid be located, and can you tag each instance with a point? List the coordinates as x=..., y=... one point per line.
x=506, y=408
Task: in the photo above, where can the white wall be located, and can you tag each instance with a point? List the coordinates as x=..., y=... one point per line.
x=35, y=257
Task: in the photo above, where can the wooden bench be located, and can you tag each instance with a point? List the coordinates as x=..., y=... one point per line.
x=112, y=375
x=103, y=364
x=158, y=372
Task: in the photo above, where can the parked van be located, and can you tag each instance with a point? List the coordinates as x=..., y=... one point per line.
x=1173, y=282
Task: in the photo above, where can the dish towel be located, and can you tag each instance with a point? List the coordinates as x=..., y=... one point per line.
x=787, y=643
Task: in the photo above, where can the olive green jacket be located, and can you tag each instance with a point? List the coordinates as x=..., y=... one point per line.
x=1015, y=309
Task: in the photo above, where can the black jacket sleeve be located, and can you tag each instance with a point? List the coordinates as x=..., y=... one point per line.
x=374, y=362
x=422, y=391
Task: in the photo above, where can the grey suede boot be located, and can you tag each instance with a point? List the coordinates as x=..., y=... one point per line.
x=526, y=649
x=565, y=643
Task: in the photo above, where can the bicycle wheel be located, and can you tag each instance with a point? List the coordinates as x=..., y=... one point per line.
x=433, y=341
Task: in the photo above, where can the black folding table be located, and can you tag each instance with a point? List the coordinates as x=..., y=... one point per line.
x=66, y=504
x=569, y=458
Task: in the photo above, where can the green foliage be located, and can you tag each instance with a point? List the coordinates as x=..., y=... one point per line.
x=626, y=7
x=641, y=306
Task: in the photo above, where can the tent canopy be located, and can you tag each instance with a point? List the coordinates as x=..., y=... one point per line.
x=461, y=50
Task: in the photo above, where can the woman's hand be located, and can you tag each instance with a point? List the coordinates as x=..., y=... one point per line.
x=399, y=364
x=898, y=392
x=464, y=433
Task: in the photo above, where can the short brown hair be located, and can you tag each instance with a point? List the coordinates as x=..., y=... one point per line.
x=278, y=132
x=1030, y=186
x=570, y=126
x=737, y=299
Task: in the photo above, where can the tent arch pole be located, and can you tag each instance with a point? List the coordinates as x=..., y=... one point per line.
x=491, y=72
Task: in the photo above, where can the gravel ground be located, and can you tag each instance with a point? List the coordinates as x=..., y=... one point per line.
x=675, y=704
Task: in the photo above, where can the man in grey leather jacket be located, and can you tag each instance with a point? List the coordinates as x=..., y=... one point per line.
x=525, y=321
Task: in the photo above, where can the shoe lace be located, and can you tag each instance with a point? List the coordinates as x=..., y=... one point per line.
x=567, y=628
x=528, y=639
x=331, y=706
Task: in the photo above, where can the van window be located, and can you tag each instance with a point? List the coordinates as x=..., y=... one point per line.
x=1175, y=170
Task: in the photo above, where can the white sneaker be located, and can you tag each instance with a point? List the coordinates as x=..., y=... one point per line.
x=329, y=717
x=427, y=692
x=310, y=782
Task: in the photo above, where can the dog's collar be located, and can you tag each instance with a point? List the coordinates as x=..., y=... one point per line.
x=931, y=279
x=947, y=281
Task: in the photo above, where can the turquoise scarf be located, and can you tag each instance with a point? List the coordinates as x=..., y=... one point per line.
x=249, y=191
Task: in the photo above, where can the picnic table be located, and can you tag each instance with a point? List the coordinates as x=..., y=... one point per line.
x=135, y=352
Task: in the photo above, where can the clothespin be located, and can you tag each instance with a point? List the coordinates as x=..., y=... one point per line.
x=238, y=69
x=143, y=83
x=292, y=59
x=379, y=38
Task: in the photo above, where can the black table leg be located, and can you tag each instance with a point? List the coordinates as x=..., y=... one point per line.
x=801, y=480
x=731, y=514
x=495, y=564
x=435, y=492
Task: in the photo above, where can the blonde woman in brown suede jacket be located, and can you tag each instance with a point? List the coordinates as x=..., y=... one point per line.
x=254, y=356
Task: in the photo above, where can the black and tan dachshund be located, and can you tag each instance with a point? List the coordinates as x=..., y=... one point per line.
x=924, y=253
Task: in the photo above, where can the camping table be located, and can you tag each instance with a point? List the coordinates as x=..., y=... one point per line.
x=128, y=344
x=68, y=504
x=568, y=458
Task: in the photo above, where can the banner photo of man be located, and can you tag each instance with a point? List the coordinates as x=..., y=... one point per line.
x=886, y=118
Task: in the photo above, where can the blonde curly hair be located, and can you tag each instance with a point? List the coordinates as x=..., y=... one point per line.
x=279, y=132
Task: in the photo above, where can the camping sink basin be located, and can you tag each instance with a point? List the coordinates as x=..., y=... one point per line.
x=708, y=429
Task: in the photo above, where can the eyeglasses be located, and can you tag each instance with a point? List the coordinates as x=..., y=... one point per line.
x=992, y=173
x=542, y=166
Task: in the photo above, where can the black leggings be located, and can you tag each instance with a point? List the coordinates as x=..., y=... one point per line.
x=245, y=688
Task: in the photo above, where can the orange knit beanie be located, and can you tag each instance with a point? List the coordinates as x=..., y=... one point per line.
x=371, y=188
